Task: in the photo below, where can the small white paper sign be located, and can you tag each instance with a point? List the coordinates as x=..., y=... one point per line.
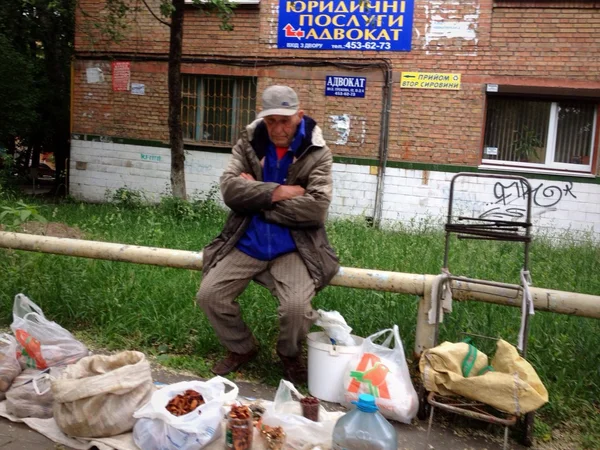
x=492, y=88
x=493, y=151
x=138, y=89
x=94, y=75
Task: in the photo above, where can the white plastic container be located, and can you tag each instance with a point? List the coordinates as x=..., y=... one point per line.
x=364, y=428
x=326, y=366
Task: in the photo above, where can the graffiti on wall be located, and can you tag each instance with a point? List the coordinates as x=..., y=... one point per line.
x=506, y=194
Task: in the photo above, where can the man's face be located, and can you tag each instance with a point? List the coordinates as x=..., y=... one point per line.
x=282, y=129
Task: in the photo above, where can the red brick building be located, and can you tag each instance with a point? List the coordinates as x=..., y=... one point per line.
x=502, y=86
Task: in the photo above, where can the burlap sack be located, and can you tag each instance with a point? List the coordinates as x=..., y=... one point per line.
x=512, y=385
x=97, y=396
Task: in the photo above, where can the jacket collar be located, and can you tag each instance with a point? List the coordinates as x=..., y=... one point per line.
x=259, y=137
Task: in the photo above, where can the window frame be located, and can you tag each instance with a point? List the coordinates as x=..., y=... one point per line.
x=550, y=145
x=200, y=82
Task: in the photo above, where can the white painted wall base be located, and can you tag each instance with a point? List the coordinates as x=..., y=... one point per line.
x=100, y=166
x=409, y=195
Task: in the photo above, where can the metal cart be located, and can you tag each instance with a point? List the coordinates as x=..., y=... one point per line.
x=484, y=229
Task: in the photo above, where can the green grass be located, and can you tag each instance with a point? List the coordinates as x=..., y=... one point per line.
x=128, y=306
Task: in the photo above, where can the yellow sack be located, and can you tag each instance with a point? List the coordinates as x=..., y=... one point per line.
x=510, y=384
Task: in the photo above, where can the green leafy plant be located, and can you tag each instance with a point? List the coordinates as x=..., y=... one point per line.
x=527, y=144
x=13, y=216
x=125, y=197
x=177, y=208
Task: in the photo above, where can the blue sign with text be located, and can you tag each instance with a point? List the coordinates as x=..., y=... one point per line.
x=379, y=25
x=345, y=86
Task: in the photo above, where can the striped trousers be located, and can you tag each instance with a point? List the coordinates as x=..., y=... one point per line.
x=288, y=280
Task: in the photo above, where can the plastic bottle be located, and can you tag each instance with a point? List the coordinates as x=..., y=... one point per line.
x=364, y=428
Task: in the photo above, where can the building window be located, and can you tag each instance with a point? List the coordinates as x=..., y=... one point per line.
x=540, y=133
x=216, y=109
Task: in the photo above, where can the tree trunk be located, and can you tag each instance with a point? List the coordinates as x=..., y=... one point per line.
x=175, y=131
x=57, y=57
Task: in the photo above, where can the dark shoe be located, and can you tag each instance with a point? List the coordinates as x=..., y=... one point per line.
x=233, y=361
x=294, y=369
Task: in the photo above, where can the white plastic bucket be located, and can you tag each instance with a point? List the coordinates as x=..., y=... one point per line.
x=326, y=366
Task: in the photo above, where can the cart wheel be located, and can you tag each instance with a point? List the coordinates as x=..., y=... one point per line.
x=424, y=406
x=527, y=429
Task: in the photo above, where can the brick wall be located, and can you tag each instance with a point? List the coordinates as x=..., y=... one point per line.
x=99, y=110
x=552, y=44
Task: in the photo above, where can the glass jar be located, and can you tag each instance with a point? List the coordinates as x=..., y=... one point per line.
x=310, y=408
x=274, y=437
x=239, y=429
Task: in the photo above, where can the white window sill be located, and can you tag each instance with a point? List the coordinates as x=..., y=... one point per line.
x=534, y=170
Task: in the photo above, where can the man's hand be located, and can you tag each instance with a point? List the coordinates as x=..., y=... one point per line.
x=285, y=192
x=247, y=176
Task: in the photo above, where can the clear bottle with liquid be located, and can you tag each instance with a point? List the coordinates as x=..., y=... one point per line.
x=364, y=428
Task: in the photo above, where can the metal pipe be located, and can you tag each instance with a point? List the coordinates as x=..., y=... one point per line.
x=404, y=283
x=180, y=259
x=425, y=333
x=379, y=280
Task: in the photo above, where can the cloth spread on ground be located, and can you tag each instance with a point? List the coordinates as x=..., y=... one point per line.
x=49, y=429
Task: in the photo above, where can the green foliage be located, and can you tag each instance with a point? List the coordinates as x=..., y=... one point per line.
x=7, y=176
x=19, y=96
x=36, y=43
x=526, y=145
x=13, y=216
x=125, y=197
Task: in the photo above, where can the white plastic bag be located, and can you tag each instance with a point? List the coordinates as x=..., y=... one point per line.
x=158, y=429
x=301, y=433
x=43, y=343
x=9, y=365
x=382, y=371
x=335, y=327
x=30, y=394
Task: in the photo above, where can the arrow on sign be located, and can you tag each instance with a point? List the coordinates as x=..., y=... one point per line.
x=409, y=76
x=291, y=32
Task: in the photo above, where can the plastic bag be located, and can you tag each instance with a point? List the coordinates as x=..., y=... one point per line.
x=30, y=394
x=334, y=325
x=158, y=429
x=302, y=433
x=97, y=396
x=43, y=343
x=382, y=371
x=9, y=364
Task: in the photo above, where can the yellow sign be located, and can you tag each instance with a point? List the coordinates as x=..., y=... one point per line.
x=425, y=80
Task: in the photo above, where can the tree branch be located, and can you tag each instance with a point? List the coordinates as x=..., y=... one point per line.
x=154, y=15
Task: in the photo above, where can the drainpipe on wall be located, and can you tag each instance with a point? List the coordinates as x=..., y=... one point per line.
x=383, y=144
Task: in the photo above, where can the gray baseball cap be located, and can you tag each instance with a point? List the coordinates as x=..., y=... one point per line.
x=280, y=101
